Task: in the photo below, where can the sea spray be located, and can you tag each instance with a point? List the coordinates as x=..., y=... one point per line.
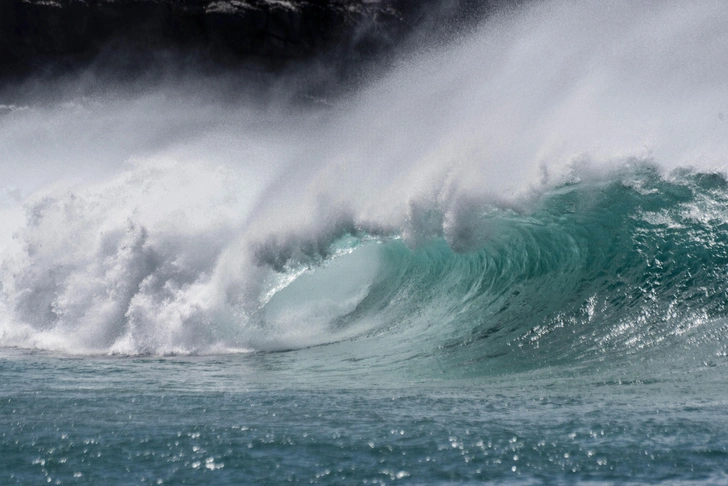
x=177, y=213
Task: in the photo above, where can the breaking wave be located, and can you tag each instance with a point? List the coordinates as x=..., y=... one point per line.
x=547, y=189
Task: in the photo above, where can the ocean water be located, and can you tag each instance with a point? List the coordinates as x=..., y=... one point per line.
x=500, y=260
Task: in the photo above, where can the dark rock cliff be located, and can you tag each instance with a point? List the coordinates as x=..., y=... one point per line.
x=127, y=36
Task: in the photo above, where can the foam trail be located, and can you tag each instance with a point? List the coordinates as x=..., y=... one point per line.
x=187, y=223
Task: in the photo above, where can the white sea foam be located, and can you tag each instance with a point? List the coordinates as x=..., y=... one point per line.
x=148, y=217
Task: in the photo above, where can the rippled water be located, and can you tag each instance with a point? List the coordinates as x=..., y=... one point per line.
x=250, y=420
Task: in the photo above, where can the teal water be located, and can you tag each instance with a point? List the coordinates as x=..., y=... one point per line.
x=230, y=420
x=580, y=341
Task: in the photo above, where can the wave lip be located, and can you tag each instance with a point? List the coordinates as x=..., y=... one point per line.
x=599, y=272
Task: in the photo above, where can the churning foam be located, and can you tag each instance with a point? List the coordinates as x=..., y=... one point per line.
x=168, y=221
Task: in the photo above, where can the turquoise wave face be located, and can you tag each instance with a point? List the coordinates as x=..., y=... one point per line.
x=621, y=269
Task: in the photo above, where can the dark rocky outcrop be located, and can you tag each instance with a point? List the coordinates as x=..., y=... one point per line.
x=129, y=36
x=40, y=34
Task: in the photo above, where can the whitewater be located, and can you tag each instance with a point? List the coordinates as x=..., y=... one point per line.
x=502, y=259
